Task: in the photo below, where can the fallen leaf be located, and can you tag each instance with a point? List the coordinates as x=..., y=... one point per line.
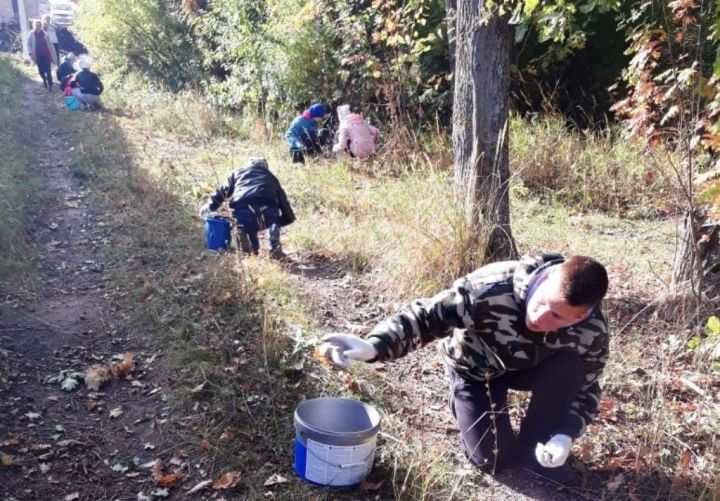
x=91, y=405
x=160, y=493
x=204, y=445
x=116, y=412
x=44, y=468
x=33, y=415
x=68, y=442
x=53, y=226
x=366, y=486
x=6, y=459
x=227, y=436
x=199, y=486
x=162, y=479
x=125, y=366
x=72, y=497
x=351, y=384
x=11, y=442
x=275, y=479
x=227, y=480
x=69, y=384
x=318, y=356
x=95, y=376
x=119, y=468
x=198, y=388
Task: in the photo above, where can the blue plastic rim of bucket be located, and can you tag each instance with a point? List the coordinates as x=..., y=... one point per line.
x=335, y=441
x=217, y=233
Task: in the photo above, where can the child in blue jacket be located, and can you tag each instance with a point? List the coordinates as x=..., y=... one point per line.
x=303, y=134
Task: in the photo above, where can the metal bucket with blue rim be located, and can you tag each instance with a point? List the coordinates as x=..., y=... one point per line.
x=217, y=233
x=335, y=440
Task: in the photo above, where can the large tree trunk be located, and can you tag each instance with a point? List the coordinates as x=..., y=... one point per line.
x=480, y=125
x=698, y=253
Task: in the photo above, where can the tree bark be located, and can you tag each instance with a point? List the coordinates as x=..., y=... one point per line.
x=481, y=126
x=698, y=253
x=451, y=20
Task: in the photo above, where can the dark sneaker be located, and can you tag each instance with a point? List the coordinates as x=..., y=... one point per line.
x=278, y=254
x=564, y=474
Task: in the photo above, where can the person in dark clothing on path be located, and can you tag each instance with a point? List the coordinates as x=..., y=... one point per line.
x=303, y=136
x=66, y=69
x=530, y=325
x=87, y=86
x=42, y=52
x=258, y=202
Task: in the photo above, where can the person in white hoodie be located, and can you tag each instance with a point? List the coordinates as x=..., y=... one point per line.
x=42, y=53
x=355, y=137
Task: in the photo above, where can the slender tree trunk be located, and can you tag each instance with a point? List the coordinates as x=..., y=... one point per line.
x=481, y=126
x=698, y=252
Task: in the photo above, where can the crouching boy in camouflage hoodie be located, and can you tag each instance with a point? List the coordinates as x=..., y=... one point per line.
x=531, y=325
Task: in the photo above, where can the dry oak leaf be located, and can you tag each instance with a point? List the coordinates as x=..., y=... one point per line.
x=275, y=479
x=162, y=479
x=227, y=480
x=95, y=376
x=125, y=366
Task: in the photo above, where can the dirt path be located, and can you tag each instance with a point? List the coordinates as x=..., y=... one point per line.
x=77, y=444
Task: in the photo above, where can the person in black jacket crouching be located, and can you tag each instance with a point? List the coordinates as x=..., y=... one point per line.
x=87, y=86
x=258, y=202
x=66, y=69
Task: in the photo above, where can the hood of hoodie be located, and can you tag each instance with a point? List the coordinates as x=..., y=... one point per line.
x=528, y=268
x=353, y=119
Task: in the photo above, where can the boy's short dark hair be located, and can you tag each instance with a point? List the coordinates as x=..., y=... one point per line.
x=584, y=281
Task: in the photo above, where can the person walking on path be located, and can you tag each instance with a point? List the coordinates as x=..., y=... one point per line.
x=86, y=86
x=531, y=325
x=42, y=53
x=49, y=28
x=258, y=202
x=303, y=134
x=355, y=137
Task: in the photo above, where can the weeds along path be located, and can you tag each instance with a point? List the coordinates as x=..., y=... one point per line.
x=59, y=439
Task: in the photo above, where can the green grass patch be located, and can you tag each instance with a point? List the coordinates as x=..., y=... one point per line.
x=20, y=169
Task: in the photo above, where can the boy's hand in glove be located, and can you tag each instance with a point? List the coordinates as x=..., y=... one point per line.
x=341, y=348
x=554, y=453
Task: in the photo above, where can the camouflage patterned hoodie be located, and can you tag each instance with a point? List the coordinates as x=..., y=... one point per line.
x=482, y=318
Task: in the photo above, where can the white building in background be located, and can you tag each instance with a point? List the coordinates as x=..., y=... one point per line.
x=34, y=9
x=7, y=11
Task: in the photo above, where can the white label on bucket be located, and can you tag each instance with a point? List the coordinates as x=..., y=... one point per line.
x=338, y=465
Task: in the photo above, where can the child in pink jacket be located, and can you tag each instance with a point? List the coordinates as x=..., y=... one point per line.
x=355, y=137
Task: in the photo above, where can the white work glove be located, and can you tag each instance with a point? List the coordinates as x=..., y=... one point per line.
x=341, y=348
x=555, y=452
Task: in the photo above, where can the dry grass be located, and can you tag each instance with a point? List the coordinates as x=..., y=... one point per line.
x=241, y=327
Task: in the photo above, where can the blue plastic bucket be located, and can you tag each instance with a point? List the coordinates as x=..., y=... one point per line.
x=217, y=233
x=335, y=440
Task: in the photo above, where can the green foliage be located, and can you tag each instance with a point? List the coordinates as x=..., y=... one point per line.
x=18, y=173
x=140, y=35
